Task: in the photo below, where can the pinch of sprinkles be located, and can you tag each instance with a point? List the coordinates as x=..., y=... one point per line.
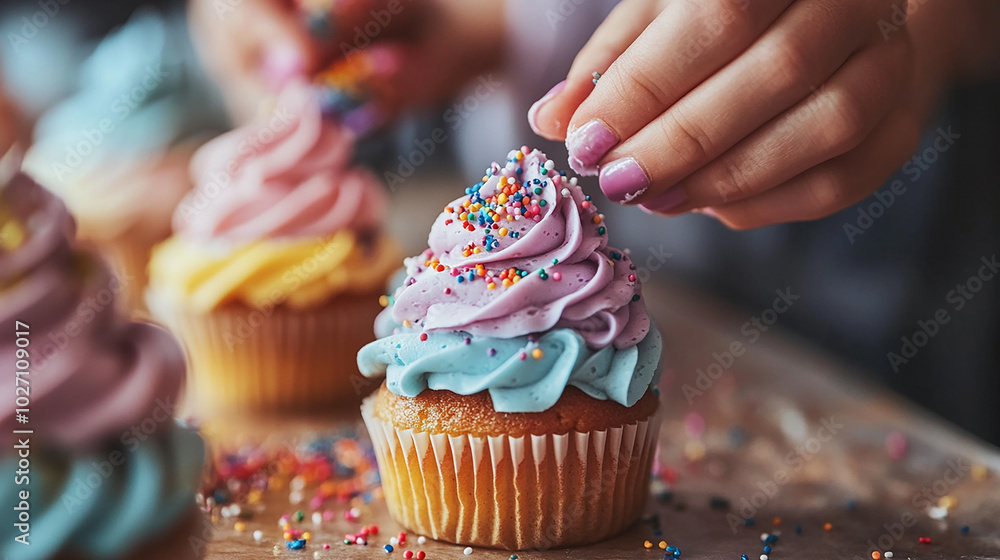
x=924, y=540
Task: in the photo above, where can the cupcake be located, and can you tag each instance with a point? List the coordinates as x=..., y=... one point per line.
x=273, y=275
x=98, y=467
x=519, y=409
x=118, y=150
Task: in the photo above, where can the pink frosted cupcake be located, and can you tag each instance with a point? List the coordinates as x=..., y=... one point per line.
x=273, y=275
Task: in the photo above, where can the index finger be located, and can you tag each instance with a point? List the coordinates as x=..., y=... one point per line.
x=688, y=41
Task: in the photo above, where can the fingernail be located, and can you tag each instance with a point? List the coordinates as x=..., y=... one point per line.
x=623, y=180
x=383, y=60
x=281, y=64
x=665, y=201
x=588, y=144
x=709, y=212
x=533, y=112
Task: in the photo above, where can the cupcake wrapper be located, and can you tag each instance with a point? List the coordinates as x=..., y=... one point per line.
x=529, y=492
x=242, y=358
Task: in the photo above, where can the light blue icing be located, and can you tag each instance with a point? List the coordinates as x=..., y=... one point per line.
x=446, y=362
x=88, y=506
x=143, y=84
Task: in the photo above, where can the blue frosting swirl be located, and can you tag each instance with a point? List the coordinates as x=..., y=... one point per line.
x=91, y=506
x=507, y=368
x=139, y=93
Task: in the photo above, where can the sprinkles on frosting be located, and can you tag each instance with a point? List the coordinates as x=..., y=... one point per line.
x=498, y=215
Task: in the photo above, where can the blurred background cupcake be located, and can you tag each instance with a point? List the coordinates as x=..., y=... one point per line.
x=117, y=150
x=109, y=473
x=273, y=276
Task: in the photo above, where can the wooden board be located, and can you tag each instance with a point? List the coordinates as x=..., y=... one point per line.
x=783, y=431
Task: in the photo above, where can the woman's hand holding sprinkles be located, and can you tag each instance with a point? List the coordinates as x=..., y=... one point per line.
x=753, y=112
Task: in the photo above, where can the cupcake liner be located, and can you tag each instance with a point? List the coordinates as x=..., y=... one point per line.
x=530, y=492
x=241, y=357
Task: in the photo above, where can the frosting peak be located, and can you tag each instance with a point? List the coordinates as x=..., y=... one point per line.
x=524, y=251
x=520, y=295
x=287, y=176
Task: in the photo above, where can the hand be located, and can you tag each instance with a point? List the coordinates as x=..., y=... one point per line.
x=423, y=49
x=431, y=47
x=754, y=111
x=251, y=49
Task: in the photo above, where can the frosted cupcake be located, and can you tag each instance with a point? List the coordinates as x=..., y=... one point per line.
x=519, y=407
x=273, y=276
x=109, y=475
x=117, y=151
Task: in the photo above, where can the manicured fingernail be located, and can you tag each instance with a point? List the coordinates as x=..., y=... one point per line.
x=533, y=112
x=383, y=60
x=281, y=64
x=588, y=144
x=623, y=180
x=665, y=201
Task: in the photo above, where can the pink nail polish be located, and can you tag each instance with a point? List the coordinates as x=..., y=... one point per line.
x=281, y=64
x=665, y=201
x=533, y=111
x=588, y=144
x=623, y=180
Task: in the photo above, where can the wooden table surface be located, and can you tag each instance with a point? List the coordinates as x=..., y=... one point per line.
x=759, y=449
x=783, y=431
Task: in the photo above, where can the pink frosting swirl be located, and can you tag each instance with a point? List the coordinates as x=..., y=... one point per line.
x=555, y=243
x=92, y=375
x=289, y=175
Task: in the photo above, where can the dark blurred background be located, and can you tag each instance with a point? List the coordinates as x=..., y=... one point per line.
x=865, y=283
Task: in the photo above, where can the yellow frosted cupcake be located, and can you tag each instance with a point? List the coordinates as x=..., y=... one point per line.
x=273, y=275
x=519, y=409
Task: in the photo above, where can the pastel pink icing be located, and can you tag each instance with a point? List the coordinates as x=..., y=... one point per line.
x=286, y=176
x=595, y=291
x=92, y=375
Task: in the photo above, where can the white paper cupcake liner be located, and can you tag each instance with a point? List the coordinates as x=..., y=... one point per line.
x=530, y=492
x=243, y=358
